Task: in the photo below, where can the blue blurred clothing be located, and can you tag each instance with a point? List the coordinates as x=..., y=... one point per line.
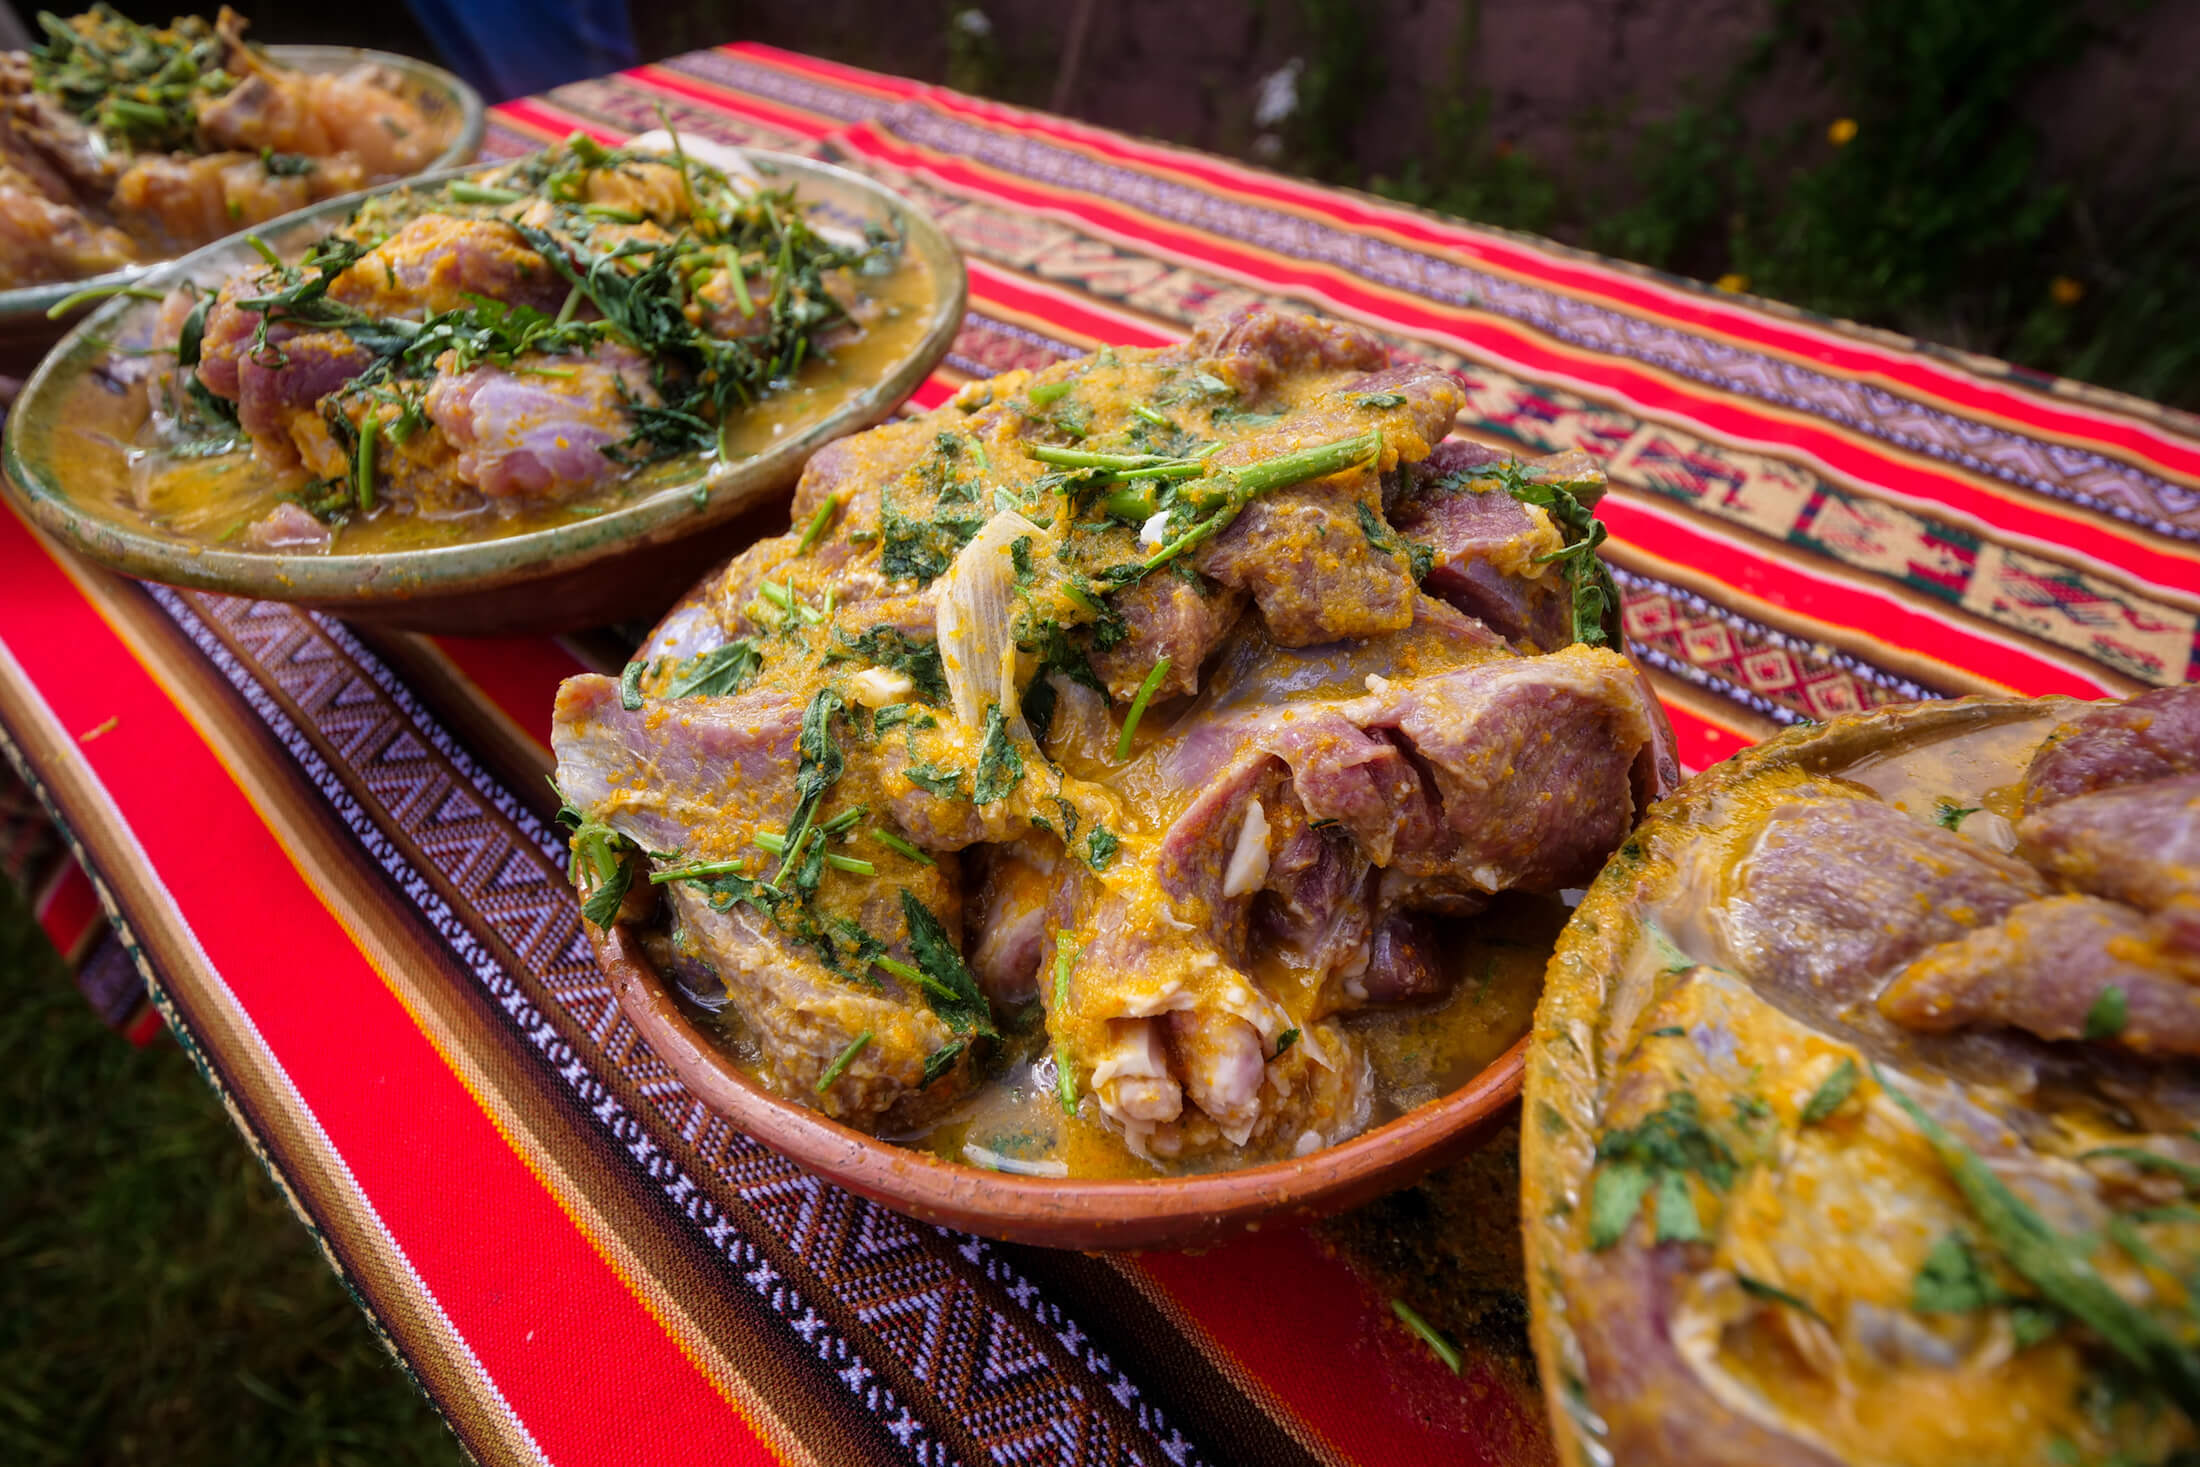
x=509, y=48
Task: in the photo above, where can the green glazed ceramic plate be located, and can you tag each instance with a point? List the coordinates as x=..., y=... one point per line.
x=68, y=454
x=25, y=330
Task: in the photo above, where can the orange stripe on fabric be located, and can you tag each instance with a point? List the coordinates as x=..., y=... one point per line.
x=2050, y=530
x=1302, y=1323
x=1689, y=306
x=507, y=1270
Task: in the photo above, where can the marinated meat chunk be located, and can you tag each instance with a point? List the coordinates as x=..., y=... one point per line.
x=1256, y=346
x=1311, y=567
x=2135, y=843
x=2153, y=736
x=1490, y=552
x=279, y=391
x=1167, y=616
x=702, y=778
x=442, y=263
x=539, y=429
x=2066, y=967
x=1839, y=889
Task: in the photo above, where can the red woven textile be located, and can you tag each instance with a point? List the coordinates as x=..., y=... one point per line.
x=330, y=850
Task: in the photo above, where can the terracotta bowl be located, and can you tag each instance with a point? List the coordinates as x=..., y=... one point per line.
x=1163, y=1212
x=1600, y=984
x=27, y=332
x=1157, y=1212
x=627, y=563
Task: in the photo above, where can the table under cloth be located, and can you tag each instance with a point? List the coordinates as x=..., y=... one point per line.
x=330, y=849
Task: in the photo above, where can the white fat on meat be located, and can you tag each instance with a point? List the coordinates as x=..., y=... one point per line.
x=1248, y=868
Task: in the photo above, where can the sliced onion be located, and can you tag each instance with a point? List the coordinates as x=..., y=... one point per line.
x=977, y=648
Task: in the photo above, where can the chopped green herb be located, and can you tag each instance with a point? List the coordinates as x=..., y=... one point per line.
x=1950, y=815
x=1420, y=559
x=1000, y=768
x=1669, y=1031
x=1286, y=1039
x=941, y=1060
x=1046, y=394
x=1376, y=399
x=630, y=686
x=818, y=763
x=840, y=1064
x=1595, y=595
x=1952, y=1280
x=718, y=673
x=946, y=982
x=1138, y=707
x=599, y=866
x=941, y=781
x=818, y=522
x=2108, y=1015
x=1831, y=1092
x=1100, y=847
x=1659, y=1151
x=1441, y=1347
x=901, y=847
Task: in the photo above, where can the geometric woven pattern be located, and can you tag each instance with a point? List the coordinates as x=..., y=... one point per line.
x=331, y=850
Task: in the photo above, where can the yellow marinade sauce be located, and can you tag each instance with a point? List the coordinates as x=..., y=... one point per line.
x=112, y=441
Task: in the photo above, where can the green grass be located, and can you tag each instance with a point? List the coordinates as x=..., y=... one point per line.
x=158, y=1301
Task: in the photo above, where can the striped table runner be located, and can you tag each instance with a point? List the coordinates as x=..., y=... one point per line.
x=329, y=849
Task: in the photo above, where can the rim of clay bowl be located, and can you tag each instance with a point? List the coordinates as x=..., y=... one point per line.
x=1157, y=1212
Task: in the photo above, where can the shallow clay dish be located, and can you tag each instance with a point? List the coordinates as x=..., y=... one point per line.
x=65, y=451
x=25, y=331
x=1190, y=1211
x=1730, y=1028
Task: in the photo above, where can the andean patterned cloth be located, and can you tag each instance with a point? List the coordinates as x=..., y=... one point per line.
x=330, y=850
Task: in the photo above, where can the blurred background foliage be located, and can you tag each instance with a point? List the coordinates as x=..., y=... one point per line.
x=2013, y=177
